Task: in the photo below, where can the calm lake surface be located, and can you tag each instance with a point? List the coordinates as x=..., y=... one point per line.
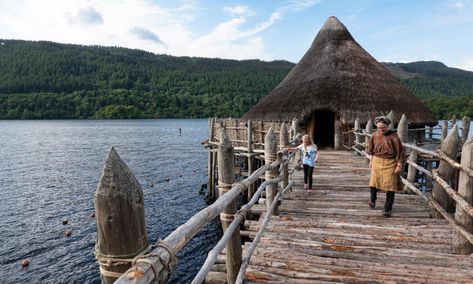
x=49, y=171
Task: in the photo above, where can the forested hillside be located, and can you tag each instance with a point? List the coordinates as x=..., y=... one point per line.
x=50, y=80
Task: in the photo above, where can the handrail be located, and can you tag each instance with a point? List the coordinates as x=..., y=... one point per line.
x=148, y=270
x=430, y=200
x=239, y=216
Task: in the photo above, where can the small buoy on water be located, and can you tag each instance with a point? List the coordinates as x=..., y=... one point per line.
x=194, y=171
x=25, y=263
x=92, y=215
x=151, y=184
x=68, y=233
x=65, y=222
x=180, y=175
x=166, y=179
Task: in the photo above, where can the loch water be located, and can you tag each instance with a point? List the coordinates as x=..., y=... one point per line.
x=49, y=172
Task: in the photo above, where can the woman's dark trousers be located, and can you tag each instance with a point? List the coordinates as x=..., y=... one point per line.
x=388, y=206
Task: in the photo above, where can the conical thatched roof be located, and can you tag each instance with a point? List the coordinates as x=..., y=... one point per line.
x=337, y=74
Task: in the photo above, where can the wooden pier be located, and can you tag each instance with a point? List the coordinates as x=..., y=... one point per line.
x=331, y=234
x=283, y=234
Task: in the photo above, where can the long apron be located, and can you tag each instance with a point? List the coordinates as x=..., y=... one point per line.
x=383, y=176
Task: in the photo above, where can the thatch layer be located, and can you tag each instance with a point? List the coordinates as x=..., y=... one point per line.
x=337, y=74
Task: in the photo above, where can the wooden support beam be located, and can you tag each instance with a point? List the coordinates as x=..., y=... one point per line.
x=270, y=154
x=226, y=177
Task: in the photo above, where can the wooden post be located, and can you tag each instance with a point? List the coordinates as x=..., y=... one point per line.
x=368, y=130
x=226, y=177
x=338, y=138
x=445, y=171
x=431, y=133
x=411, y=170
x=121, y=226
x=295, y=127
x=465, y=189
x=251, y=188
x=357, y=136
x=270, y=153
x=284, y=142
x=391, y=117
x=210, y=164
x=444, y=131
x=402, y=129
x=465, y=128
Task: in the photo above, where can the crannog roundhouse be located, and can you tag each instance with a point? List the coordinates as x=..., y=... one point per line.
x=334, y=83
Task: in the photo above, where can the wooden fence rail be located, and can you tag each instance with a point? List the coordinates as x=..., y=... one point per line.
x=155, y=262
x=444, y=195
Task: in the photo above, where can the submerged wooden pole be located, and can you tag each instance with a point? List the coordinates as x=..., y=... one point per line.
x=465, y=128
x=284, y=142
x=368, y=130
x=465, y=189
x=121, y=226
x=270, y=152
x=226, y=177
x=445, y=171
x=210, y=169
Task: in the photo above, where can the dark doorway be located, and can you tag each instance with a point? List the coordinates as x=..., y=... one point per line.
x=324, y=132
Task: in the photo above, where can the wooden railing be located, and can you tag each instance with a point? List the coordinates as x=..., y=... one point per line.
x=443, y=196
x=142, y=263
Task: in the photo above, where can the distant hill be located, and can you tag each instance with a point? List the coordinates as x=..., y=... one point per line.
x=49, y=80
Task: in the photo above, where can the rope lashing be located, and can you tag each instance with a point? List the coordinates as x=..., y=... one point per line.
x=109, y=261
x=227, y=217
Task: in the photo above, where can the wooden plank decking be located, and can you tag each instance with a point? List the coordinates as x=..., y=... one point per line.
x=331, y=235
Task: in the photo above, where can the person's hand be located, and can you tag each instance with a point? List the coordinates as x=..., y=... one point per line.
x=397, y=169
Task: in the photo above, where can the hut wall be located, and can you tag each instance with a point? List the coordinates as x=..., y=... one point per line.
x=238, y=131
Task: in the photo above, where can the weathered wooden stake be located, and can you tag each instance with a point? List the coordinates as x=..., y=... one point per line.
x=357, y=136
x=226, y=177
x=402, y=129
x=391, y=117
x=284, y=142
x=121, y=226
x=251, y=188
x=338, y=135
x=295, y=127
x=368, y=130
x=465, y=189
x=270, y=153
x=465, y=128
x=450, y=148
x=411, y=170
x=430, y=132
x=444, y=131
x=210, y=164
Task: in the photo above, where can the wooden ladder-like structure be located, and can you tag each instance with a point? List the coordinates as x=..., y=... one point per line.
x=331, y=235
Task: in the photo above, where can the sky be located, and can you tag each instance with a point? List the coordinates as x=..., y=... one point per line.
x=390, y=30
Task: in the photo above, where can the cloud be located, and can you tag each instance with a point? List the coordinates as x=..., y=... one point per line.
x=146, y=35
x=89, y=16
x=239, y=10
x=459, y=5
x=133, y=24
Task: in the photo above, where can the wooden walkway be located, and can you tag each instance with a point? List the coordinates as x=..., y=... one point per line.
x=331, y=235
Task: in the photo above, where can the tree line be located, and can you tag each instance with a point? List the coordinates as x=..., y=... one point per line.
x=46, y=80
